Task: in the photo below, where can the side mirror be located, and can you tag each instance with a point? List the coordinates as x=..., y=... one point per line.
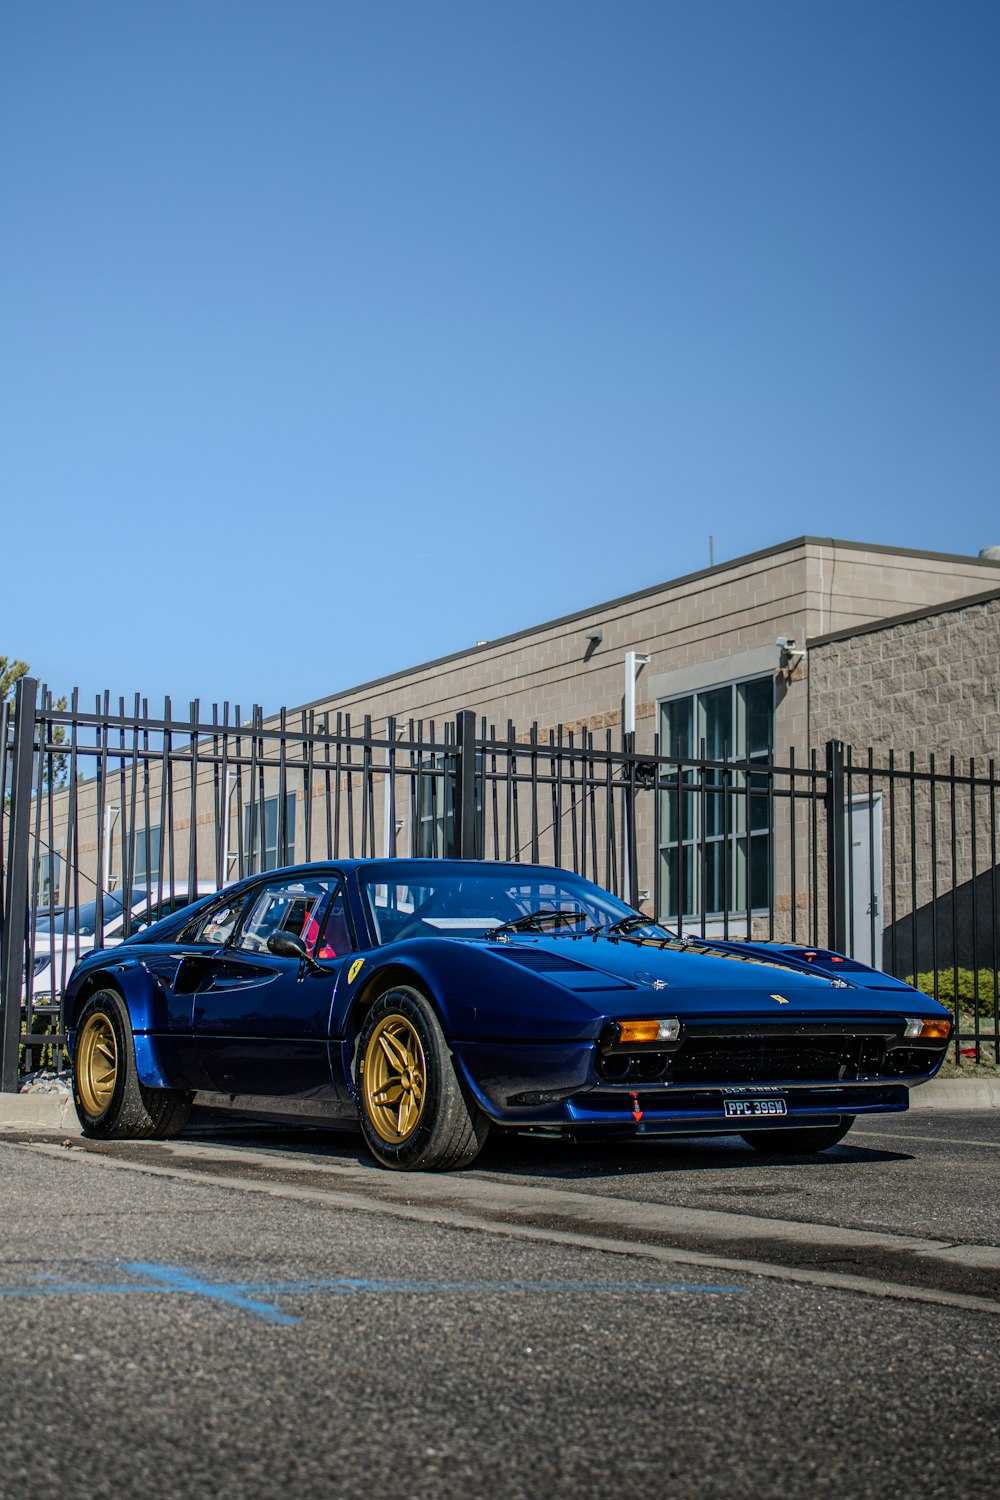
x=291, y=945
x=287, y=945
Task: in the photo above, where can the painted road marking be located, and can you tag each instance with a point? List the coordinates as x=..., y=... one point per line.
x=246, y=1295
x=176, y=1279
x=473, y=1202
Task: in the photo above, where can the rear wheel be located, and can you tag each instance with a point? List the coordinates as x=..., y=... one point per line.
x=111, y=1102
x=803, y=1141
x=414, y=1113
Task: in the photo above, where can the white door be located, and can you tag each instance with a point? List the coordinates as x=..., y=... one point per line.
x=864, y=879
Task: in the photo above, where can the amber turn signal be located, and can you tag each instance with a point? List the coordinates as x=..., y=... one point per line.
x=939, y=1030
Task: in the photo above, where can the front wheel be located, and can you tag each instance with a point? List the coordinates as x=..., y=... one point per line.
x=111, y=1102
x=803, y=1141
x=414, y=1113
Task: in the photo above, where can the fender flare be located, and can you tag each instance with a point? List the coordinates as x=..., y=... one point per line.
x=135, y=987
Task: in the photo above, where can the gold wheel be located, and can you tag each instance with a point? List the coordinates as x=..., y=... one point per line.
x=97, y=1064
x=395, y=1079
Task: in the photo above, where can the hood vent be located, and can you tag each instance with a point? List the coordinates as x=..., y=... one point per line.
x=543, y=962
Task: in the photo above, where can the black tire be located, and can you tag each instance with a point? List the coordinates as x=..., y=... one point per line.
x=111, y=1103
x=414, y=1113
x=803, y=1141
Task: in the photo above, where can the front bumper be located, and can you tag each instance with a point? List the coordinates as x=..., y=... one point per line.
x=702, y=1112
x=555, y=1086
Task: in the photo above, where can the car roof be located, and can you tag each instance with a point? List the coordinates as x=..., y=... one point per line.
x=405, y=864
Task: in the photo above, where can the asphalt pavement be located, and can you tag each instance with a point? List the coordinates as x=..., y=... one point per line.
x=255, y=1311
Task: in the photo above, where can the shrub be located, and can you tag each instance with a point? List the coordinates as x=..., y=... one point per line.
x=973, y=985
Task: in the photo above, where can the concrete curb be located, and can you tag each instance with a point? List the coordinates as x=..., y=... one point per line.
x=957, y=1093
x=49, y=1111
x=54, y=1111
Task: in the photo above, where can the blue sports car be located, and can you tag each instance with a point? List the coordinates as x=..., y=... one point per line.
x=429, y=1000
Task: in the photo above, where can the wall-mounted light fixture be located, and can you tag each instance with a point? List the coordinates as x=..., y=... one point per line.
x=634, y=663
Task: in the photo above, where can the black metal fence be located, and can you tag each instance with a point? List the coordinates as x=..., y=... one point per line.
x=112, y=817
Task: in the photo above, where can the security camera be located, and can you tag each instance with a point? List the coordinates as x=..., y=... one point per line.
x=791, y=653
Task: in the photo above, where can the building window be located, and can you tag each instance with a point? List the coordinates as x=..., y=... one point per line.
x=434, y=833
x=262, y=836
x=49, y=866
x=434, y=809
x=146, y=863
x=715, y=840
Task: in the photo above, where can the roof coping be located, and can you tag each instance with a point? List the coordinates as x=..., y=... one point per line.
x=656, y=588
x=888, y=622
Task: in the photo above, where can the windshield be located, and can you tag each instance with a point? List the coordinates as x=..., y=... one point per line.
x=455, y=903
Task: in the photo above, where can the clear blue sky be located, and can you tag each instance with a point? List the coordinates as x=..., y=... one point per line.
x=336, y=336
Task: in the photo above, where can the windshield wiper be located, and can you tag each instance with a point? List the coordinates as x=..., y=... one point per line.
x=537, y=921
x=625, y=925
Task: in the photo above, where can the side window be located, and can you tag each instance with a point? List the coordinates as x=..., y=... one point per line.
x=215, y=927
x=287, y=906
x=336, y=937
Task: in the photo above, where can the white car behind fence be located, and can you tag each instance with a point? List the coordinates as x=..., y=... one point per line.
x=56, y=946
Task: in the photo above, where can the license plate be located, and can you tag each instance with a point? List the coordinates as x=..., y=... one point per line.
x=754, y=1108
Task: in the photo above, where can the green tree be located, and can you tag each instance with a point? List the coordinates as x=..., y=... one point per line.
x=11, y=672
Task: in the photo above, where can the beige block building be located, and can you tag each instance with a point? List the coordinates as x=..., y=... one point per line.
x=702, y=631
x=710, y=678
x=884, y=646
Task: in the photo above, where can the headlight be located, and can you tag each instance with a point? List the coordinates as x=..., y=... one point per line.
x=38, y=963
x=937, y=1030
x=635, y=1033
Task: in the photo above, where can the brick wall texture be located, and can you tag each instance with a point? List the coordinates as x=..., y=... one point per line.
x=930, y=685
x=926, y=687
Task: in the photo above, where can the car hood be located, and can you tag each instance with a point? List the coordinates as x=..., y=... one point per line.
x=624, y=976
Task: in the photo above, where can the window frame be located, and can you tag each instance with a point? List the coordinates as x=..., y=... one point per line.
x=742, y=832
x=50, y=863
x=150, y=838
x=256, y=809
x=432, y=816
x=277, y=887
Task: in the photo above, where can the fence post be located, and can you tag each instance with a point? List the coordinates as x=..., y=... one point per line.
x=18, y=883
x=836, y=846
x=631, y=851
x=465, y=785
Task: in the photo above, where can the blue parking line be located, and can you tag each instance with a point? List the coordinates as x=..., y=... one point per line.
x=176, y=1279
x=247, y=1296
